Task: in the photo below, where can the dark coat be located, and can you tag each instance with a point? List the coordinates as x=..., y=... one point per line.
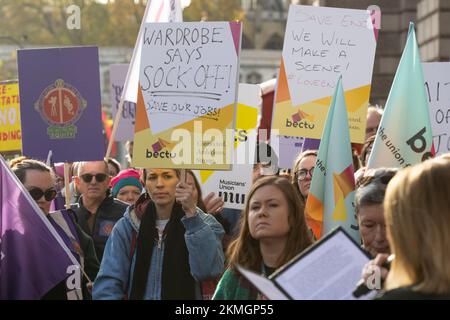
x=108, y=213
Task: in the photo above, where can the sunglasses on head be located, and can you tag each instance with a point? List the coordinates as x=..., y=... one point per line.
x=37, y=193
x=99, y=177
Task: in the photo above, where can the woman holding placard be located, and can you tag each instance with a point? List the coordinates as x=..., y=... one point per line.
x=163, y=246
x=273, y=231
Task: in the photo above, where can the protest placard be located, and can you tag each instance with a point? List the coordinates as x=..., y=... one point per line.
x=288, y=148
x=319, y=44
x=437, y=87
x=187, y=95
x=232, y=186
x=155, y=11
x=125, y=129
x=60, y=103
x=10, y=132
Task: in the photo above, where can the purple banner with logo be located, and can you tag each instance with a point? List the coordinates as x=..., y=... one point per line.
x=60, y=104
x=33, y=258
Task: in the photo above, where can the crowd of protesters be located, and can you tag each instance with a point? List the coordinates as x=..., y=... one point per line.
x=150, y=233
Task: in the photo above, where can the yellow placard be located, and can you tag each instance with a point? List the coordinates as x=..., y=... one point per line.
x=163, y=150
x=10, y=131
x=308, y=120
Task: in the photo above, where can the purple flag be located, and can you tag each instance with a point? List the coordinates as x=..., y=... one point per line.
x=33, y=257
x=60, y=104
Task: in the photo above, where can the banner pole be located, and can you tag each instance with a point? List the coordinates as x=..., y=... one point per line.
x=67, y=184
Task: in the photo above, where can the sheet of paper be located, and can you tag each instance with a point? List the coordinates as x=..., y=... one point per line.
x=328, y=272
x=264, y=285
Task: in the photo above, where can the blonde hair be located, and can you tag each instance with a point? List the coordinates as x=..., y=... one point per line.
x=245, y=249
x=376, y=109
x=417, y=213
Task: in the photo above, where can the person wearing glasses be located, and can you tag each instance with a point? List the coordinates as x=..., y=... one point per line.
x=302, y=171
x=39, y=180
x=97, y=211
x=369, y=198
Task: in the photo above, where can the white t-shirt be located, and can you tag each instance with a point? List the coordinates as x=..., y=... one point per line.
x=161, y=225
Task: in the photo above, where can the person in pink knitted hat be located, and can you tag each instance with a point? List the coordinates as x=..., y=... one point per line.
x=126, y=186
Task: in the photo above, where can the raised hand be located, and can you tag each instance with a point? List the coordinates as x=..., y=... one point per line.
x=213, y=203
x=183, y=195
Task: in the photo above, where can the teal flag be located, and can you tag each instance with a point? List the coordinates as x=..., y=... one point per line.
x=332, y=191
x=404, y=137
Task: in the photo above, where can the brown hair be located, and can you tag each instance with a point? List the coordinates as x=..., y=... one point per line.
x=417, y=212
x=245, y=249
x=20, y=166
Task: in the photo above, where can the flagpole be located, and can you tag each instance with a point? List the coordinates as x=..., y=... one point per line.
x=87, y=277
x=67, y=184
x=125, y=86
